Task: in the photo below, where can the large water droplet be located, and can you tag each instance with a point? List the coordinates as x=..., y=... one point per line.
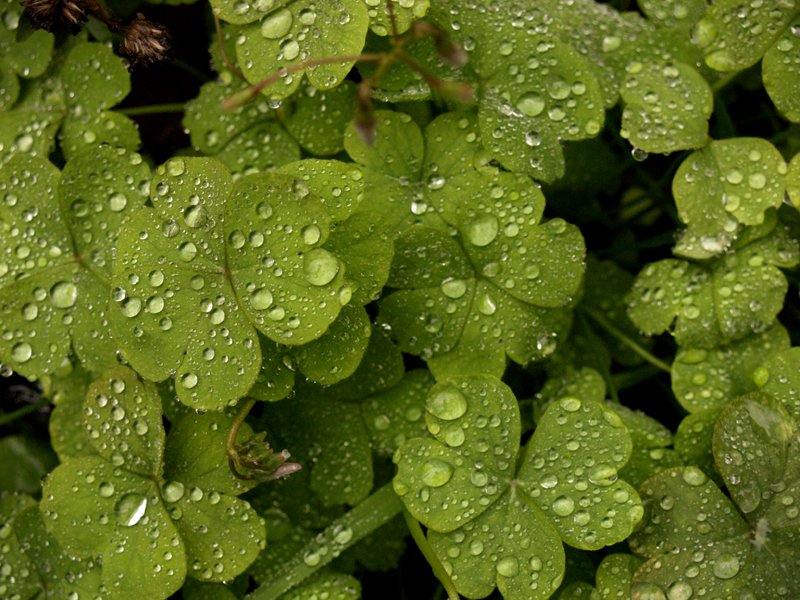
x=320, y=266
x=261, y=299
x=130, y=509
x=531, y=104
x=508, y=566
x=277, y=24
x=436, y=472
x=482, y=230
x=448, y=404
x=454, y=288
x=21, y=352
x=63, y=294
x=563, y=506
x=173, y=491
x=726, y=566
x=603, y=475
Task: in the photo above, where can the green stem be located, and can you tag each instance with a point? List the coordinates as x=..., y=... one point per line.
x=606, y=372
x=628, y=379
x=230, y=444
x=153, y=109
x=606, y=324
x=364, y=518
x=21, y=412
x=429, y=554
x=724, y=81
x=191, y=69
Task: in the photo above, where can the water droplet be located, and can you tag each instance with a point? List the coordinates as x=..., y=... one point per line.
x=563, y=506
x=603, y=475
x=264, y=210
x=63, y=294
x=694, y=476
x=106, y=489
x=531, y=104
x=187, y=251
x=290, y=49
x=196, y=494
x=277, y=24
x=342, y=534
x=131, y=306
x=479, y=478
x=320, y=266
x=570, y=404
x=130, y=509
x=118, y=201
x=21, y=352
x=189, y=380
x=195, y=216
x=508, y=566
x=173, y=491
x=726, y=566
x=311, y=234
x=647, y=591
x=436, y=472
x=261, y=299
x=448, y=404
x=312, y=558
x=454, y=288
x=482, y=230
x=680, y=590
x=639, y=155
x=176, y=167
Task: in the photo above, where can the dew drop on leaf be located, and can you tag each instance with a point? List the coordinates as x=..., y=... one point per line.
x=448, y=404
x=320, y=267
x=436, y=472
x=130, y=509
x=63, y=294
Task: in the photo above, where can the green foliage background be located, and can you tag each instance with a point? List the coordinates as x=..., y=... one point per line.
x=556, y=324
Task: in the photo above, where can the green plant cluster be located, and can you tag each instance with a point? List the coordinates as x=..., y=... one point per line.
x=446, y=312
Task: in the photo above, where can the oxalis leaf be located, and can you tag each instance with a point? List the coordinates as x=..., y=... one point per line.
x=453, y=316
x=150, y=526
x=667, y=106
x=694, y=535
x=303, y=30
x=710, y=379
x=705, y=306
x=493, y=524
x=613, y=580
x=59, y=230
x=195, y=277
x=779, y=69
x=540, y=83
x=735, y=37
x=718, y=190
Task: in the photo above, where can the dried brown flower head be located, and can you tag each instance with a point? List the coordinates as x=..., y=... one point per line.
x=145, y=42
x=55, y=15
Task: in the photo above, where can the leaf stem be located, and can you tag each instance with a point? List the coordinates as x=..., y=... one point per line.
x=429, y=554
x=606, y=324
x=230, y=443
x=21, y=412
x=152, y=109
x=723, y=82
x=364, y=518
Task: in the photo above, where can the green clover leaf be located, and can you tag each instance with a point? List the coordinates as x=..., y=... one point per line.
x=149, y=525
x=454, y=313
x=195, y=277
x=303, y=30
x=61, y=575
x=780, y=72
x=613, y=580
x=735, y=39
x=667, y=107
x=19, y=574
x=694, y=535
x=710, y=379
x=531, y=101
x=465, y=483
x=705, y=306
x=20, y=55
x=728, y=184
x=777, y=376
x=55, y=255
